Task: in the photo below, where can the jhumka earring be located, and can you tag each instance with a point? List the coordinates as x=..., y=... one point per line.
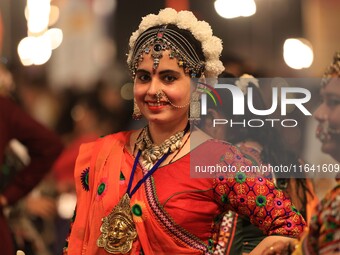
x=195, y=104
x=136, y=115
x=195, y=107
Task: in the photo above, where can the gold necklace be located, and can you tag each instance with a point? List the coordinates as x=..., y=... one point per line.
x=151, y=152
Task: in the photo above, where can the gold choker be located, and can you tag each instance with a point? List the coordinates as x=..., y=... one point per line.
x=151, y=152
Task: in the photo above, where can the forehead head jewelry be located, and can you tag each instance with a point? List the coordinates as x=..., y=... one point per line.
x=188, y=40
x=156, y=40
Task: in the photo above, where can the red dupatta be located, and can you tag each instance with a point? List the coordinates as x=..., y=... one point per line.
x=107, y=164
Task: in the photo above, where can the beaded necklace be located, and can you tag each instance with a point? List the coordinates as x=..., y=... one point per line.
x=151, y=152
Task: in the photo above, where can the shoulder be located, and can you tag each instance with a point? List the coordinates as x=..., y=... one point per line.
x=119, y=137
x=201, y=140
x=98, y=150
x=220, y=152
x=89, y=148
x=218, y=145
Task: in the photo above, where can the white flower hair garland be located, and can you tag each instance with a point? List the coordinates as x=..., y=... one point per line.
x=244, y=81
x=201, y=30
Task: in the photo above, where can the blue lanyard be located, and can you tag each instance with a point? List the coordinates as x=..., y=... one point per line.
x=150, y=172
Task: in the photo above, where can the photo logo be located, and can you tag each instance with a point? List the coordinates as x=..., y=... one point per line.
x=209, y=90
x=282, y=99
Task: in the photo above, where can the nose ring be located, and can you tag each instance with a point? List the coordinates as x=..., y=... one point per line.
x=159, y=95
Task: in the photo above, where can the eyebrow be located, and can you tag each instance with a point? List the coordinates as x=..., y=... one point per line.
x=161, y=72
x=142, y=71
x=169, y=71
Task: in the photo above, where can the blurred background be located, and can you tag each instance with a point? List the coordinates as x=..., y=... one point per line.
x=60, y=49
x=91, y=36
x=68, y=63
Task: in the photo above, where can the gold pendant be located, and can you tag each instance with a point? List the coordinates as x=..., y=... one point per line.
x=118, y=230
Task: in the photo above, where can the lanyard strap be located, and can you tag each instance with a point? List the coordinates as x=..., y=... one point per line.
x=150, y=172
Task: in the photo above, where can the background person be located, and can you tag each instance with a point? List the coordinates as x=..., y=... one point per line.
x=43, y=148
x=323, y=235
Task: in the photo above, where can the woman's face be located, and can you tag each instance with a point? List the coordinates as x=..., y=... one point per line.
x=328, y=116
x=168, y=78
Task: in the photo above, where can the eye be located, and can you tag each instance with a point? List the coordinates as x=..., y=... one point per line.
x=169, y=78
x=143, y=77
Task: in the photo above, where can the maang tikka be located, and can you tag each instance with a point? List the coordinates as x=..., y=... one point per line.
x=157, y=48
x=159, y=39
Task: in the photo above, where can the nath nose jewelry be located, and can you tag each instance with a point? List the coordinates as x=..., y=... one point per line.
x=159, y=95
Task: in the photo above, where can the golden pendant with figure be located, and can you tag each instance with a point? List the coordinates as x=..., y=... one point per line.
x=118, y=230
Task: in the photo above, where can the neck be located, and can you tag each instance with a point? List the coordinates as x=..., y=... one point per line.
x=161, y=132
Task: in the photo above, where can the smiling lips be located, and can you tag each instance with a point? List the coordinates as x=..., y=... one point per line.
x=154, y=105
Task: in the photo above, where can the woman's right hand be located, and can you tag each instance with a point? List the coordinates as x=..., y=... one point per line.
x=282, y=247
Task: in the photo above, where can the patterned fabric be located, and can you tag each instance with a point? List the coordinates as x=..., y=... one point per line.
x=263, y=203
x=227, y=235
x=244, y=236
x=324, y=231
x=173, y=212
x=85, y=179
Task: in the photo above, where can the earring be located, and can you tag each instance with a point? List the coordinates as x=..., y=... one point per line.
x=195, y=104
x=136, y=115
x=195, y=107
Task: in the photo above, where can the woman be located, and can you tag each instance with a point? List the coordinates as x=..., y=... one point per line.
x=263, y=146
x=134, y=190
x=323, y=236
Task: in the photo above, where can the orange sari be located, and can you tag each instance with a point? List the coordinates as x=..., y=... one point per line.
x=176, y=214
